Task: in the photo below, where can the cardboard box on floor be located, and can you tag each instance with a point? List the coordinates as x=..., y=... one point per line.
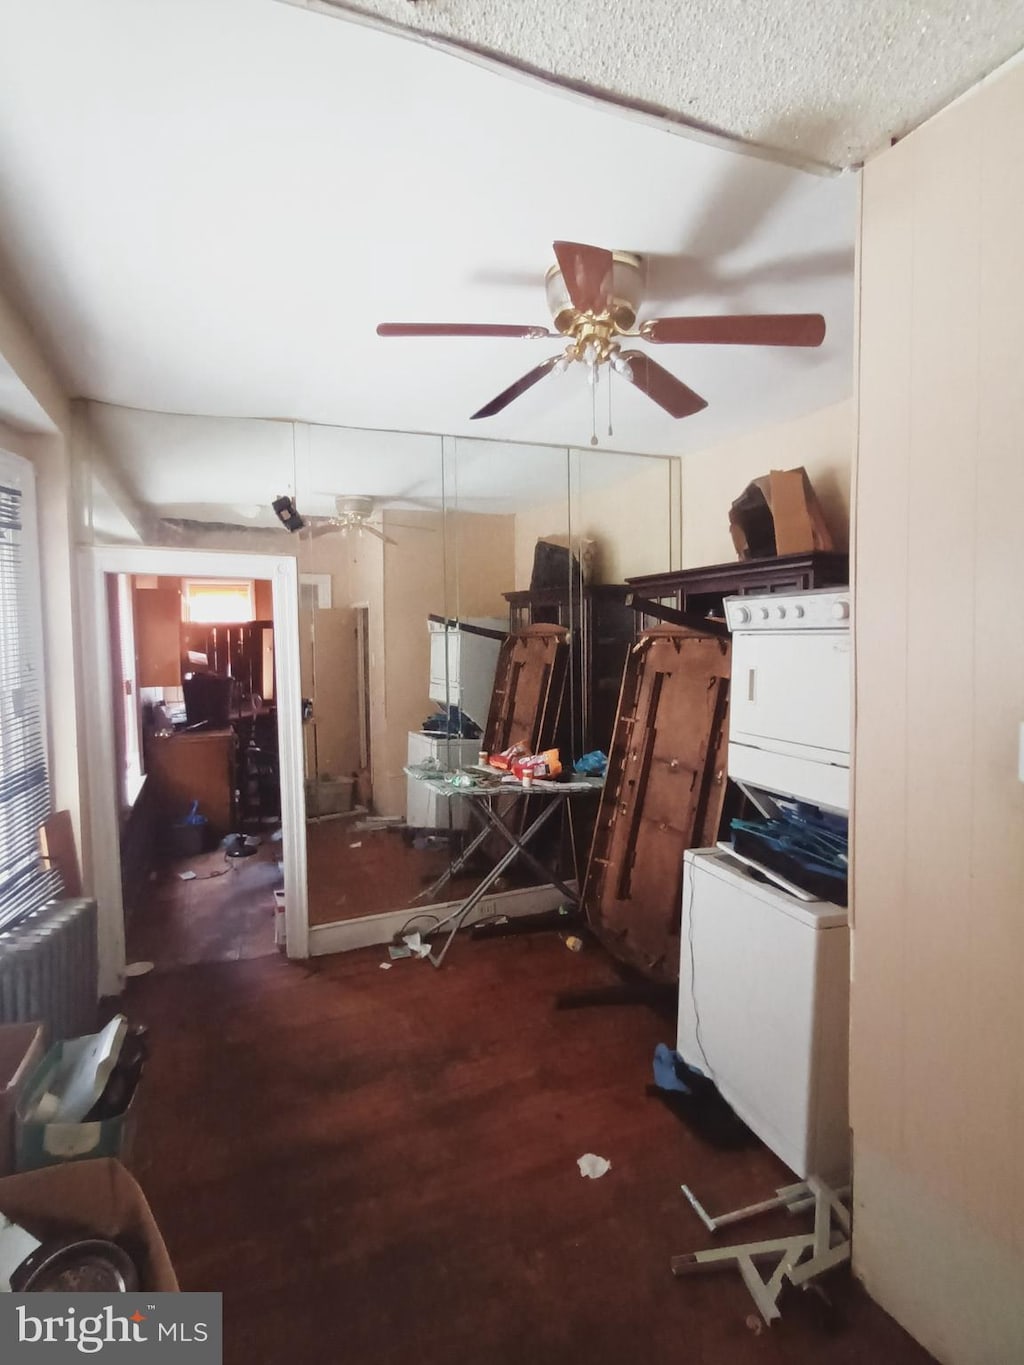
x=39, y=1143
x=92, y=1196
x=778, y=514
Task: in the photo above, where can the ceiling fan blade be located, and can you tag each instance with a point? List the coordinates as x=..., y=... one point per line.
x=374, y=531
x=317, y=527
x=410, y=526
x=587, y=272
x=667, y=391
x=749, y=329
x=459, y=329
x=513, y=391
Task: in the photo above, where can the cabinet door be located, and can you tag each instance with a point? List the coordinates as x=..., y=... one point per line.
x=158, y=636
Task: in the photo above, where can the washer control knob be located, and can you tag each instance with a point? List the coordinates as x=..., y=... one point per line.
x=840, y=611
x=762, y=613
x=742, y=615
x=780, y=612
x=798, y=611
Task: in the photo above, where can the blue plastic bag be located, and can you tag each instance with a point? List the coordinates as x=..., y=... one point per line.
x=592, y=764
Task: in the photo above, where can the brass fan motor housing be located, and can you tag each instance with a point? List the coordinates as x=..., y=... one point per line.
x=624, y=299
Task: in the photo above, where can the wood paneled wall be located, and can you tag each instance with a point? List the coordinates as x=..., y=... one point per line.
x=938, y=993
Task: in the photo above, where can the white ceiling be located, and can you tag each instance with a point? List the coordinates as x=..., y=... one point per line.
x=231, y=469
x=211, y=203
x=827, y=81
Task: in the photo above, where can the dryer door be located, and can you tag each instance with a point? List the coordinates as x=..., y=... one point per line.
x=791, y=693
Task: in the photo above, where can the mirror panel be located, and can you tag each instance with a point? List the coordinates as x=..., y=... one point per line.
x=403, y=533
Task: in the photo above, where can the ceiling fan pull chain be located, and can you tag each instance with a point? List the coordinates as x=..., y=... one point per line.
x=593, y=408
x=609, y=388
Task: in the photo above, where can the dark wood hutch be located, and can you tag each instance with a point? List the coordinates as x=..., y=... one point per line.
x=701, y=591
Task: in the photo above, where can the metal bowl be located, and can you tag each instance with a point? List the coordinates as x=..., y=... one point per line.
x=77, y=1265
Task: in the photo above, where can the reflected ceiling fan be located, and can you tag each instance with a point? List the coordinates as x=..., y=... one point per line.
x=594, y=296
x=354, y=514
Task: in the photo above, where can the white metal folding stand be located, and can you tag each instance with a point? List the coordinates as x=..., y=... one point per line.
x=798, y=1259
x=483, y=805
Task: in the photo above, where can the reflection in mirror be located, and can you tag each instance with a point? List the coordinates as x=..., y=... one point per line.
x=416, y=554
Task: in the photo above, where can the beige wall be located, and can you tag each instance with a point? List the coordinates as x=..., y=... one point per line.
x=634, y=521
x=479, y=549
x=712, y=479
x=481, y=560
x=938, y=1000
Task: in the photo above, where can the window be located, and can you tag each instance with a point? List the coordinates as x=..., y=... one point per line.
x=218, y=601
x=24, y=785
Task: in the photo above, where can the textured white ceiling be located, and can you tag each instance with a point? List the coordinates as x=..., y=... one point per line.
x=832, y=82
x=209, y=204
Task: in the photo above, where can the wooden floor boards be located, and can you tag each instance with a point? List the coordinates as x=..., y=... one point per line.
x=380, y=1166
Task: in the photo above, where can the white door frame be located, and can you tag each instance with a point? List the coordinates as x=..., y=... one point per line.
x=104, y=868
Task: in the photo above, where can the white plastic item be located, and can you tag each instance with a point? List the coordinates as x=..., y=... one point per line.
x=764, y=1009
x=85, y=1068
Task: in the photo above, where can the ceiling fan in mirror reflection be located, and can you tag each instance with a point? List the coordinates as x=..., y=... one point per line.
x=594, y=296
x=355, y=515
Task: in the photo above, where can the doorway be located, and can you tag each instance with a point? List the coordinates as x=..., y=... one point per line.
x=202, y=852
x=260, y=813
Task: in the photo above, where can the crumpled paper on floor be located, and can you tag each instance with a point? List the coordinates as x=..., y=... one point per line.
x=416, y=945
x=593, y=1166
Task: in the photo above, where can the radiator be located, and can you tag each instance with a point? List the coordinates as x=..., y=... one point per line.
x=48, y=969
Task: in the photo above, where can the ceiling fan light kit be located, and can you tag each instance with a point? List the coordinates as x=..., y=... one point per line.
x=594, y=296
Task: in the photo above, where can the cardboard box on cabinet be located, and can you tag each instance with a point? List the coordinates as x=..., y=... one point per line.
x=778, y=514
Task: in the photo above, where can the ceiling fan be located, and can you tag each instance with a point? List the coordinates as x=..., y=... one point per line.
x=354, y=514
x=594, y=296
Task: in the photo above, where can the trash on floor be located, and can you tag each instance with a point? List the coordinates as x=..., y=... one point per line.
x=416, y=945
x=385, y=966
x=593, y=1167
x=189, y=876
x=670, y=1070
x=138, y=968
x=396, y=951
x=358, y=844
x=695, y=1099
x=573, y=943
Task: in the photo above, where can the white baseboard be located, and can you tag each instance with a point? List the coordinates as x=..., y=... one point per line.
x=345, y=935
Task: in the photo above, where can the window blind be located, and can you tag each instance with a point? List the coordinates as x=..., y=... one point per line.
x=24, y=786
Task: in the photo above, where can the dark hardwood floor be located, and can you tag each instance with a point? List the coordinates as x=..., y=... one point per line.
x=380, y=1166
x=224, y=913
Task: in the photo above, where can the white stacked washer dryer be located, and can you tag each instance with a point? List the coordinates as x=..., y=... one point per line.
x=764, y=971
